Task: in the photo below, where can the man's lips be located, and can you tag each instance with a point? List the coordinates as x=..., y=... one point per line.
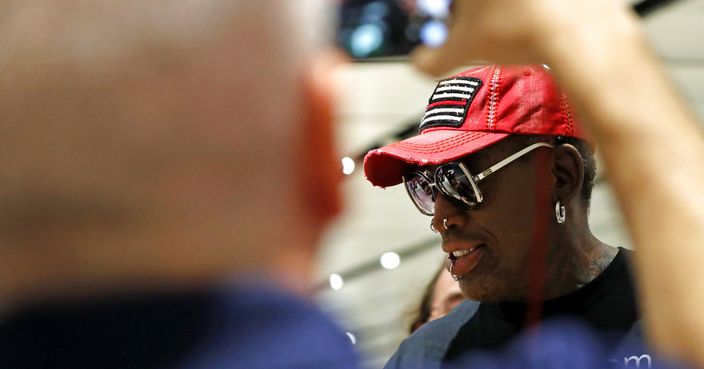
x=464, y=258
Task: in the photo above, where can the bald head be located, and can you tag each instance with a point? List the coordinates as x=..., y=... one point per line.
x=150, y=122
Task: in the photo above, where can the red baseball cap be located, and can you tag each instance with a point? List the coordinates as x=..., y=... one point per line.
x=475, y=109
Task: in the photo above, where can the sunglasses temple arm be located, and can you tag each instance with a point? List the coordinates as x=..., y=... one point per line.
x=509, y=159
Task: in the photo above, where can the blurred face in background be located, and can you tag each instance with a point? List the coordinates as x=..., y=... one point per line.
x=446, y=296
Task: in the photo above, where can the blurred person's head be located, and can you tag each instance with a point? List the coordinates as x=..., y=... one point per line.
x=502, y=166
x=160, y=143
x=441, y=295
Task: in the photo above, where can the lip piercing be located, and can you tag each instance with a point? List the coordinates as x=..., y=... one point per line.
x=444, y=223
x=451, y=265
x=454, y=276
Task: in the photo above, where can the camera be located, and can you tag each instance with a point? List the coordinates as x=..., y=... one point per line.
x=372, y=29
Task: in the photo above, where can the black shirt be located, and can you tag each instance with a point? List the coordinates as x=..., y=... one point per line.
x=607, y=304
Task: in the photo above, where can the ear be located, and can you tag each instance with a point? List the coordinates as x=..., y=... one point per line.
x=320, y=168
x=568, y=169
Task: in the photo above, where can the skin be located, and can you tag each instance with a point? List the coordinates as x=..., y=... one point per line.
x=446, y=296
x=130, y=167
x=441, y=295
x=649, y=139
x=505, y=223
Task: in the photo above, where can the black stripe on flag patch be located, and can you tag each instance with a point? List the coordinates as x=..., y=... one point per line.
x=448, y=105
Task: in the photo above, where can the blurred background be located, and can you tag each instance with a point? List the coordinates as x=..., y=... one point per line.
x=380, y=254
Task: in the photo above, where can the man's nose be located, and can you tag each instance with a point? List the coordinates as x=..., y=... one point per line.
x=447, y=214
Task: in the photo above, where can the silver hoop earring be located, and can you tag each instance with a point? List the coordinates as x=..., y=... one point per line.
x=560, y=213
x=444, y=223
x=432, y=227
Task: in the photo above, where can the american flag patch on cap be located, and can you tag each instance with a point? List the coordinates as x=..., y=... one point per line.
x=449, y=103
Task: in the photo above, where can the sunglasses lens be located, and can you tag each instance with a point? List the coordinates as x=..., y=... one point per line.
x=421, y=193
x=454, y=183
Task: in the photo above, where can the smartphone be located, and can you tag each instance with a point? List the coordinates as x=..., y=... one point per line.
x=373, y=29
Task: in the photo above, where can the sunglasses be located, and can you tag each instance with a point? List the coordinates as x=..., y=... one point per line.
x=455, y=181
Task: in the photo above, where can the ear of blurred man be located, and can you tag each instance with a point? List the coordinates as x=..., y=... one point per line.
x=320, y=167
x=317, y=176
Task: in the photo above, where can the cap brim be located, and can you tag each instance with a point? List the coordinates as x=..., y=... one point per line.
x=385, y=166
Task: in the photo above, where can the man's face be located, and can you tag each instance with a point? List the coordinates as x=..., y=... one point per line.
x=500, y=230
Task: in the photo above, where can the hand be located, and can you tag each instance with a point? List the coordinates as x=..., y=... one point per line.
x=523, y=31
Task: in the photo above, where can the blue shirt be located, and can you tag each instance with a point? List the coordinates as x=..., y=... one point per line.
x=238, y=326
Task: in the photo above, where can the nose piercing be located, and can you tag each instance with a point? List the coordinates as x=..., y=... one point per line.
x=444, y=223
x=432, y=227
